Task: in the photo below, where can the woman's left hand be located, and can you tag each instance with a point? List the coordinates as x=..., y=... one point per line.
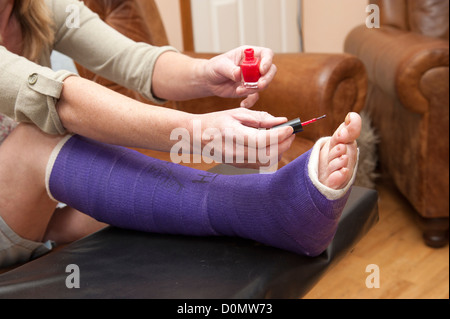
x=223, y=74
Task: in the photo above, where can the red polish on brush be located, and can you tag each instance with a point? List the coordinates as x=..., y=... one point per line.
x=297, y=124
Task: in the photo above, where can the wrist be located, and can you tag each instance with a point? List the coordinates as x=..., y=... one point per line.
x=197, y=126
x=200, y=76
x=178, y=77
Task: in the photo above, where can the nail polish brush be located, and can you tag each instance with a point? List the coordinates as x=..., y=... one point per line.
x=297, y=124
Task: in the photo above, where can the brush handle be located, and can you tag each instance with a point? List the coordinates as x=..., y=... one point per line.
x=296, y=124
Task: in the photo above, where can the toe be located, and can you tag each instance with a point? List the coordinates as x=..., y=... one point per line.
x=348, y=131
x=337, y=151
x=337, y=164
x=338, y=179
x=353, y=126
x=339, y=155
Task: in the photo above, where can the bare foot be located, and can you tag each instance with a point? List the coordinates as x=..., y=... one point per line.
x=337, y=159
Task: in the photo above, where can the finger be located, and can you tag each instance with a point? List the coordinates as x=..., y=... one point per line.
x=256, y=119
x=266, y=79
x=263, y=83
x=250, y=101
x=242, y=91
x=266, y=55
x=275, y=152
x=282, y=134
x=266, y=156
x=237, y=75
x=258, y=139
x=250, y=156
x=267, y=120
x=286, y=144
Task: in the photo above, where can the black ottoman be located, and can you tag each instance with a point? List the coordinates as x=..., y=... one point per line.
x=117, y=263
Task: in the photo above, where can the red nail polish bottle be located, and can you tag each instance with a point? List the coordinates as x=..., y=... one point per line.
x=250, y=69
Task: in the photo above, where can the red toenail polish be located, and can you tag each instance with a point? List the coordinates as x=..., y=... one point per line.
x=347, y=119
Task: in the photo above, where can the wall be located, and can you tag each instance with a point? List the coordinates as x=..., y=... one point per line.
x=170, y=13
x=326, y=22
x=222, y=25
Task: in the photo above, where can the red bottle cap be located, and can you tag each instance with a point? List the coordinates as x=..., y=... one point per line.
x=249, y=54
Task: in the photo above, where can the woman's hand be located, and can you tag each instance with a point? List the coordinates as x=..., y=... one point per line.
x=223, y=74
x=178, y=77
x=240, y=137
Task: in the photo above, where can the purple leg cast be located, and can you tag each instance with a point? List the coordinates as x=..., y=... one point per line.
x=126, y=189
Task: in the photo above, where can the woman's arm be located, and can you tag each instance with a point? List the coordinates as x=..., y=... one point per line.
x=103, y=50
x=28, y=92
x=59, y=102
x=179, y=77
x=91, y=110
x=158, y=73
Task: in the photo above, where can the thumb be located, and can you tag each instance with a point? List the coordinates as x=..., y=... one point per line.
x=226, y=68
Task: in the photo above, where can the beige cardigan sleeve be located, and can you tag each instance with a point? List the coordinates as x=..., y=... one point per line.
x=29, y=92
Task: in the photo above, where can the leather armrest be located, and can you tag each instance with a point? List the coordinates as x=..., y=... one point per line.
x=396, y=61
x=311, y=85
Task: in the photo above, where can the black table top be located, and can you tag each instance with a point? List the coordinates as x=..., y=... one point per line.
x=118, y=263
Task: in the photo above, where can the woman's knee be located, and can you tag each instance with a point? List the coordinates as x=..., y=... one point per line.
x=25, y=205
x=27, y=147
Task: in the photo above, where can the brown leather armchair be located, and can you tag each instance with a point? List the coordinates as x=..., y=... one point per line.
x=407, y=61
x=306, y=85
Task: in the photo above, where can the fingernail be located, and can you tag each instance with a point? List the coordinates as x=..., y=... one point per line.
x=263, y=68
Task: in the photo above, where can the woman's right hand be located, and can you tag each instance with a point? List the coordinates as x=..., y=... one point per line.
x=239, y=137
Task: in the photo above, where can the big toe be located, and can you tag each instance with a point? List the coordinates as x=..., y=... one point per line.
x=348, y=131
x=353, y=125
